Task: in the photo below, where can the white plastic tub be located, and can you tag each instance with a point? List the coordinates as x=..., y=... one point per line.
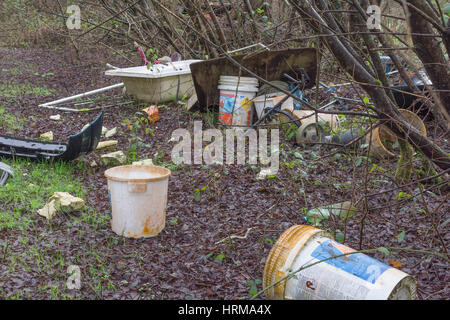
x=138, y=196
x=159, y=83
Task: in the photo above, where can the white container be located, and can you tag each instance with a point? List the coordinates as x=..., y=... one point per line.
x=236, y=100
x=138, y=196
x=268, y=101
x=309, y=116
x=351, y=277
x=159, y=83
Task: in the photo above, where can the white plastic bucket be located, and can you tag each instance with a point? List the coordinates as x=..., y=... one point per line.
x=235, y=100
x=138, y=196
x=267, y=101
x=351, y=277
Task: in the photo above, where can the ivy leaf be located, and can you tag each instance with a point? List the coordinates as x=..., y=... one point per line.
x=209, y=255
x=366, y=100
x=383, y=250
x=358, y=161
x=401, y=236
x=340, y=237
x=445, y=223
x=298, y=155
x=219, y=258
x=253, y=290
x=402, y=195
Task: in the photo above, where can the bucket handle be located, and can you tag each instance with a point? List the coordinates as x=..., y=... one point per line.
x=137, y=187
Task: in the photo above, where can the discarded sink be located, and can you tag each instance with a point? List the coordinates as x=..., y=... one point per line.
x=79, y=144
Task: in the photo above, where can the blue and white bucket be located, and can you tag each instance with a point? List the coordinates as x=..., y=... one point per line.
x=236, y=94
x=329, y=270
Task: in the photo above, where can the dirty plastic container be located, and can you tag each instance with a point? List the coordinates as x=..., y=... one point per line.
x=138, y=196
x=308, y=116
x=236, y=94
x=352, y=277
x=159, y=83
x=269, y=101
x=381, y=136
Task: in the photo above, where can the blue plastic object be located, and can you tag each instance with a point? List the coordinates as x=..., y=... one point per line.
x=298, y=93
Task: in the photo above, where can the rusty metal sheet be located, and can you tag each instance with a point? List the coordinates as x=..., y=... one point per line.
x=269, y=65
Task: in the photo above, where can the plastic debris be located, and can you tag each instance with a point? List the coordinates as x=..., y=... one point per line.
x=113, y=159
x=153, y=113
x=104, y=131
x=146, y=162
x=265, y=173
x=48, y=136
x=343, y=210
x=61, y=202
x=5, y=172
x=106, y=144
x=306, y=263
x=111, y=133
x=55, y=117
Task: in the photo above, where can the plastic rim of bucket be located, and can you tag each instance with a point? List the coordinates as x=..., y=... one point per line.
x=277, y=96
x=378, y=148
x=284, y=251
x=238, y=88
x=267, y=100
x=241, y=80
x=118, y=174
x=238, y=79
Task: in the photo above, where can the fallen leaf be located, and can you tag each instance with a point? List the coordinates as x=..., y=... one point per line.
x=395, y=263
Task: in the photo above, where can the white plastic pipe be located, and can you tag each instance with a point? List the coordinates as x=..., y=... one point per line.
x=250, y=46
x=82, y=95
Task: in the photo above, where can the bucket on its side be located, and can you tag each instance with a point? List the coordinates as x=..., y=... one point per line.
x=267, y=101
x=236, y=94
x=350, y=277
x=381, y=136
x=138, y=196
x=308, y=116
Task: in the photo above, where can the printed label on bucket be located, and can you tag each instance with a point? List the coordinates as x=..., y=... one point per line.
x=358, y=264
x=227, y=103
x=246, y=103
x=225, y=118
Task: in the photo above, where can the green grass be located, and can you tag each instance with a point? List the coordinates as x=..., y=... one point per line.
x=33, y=183
x=12, y=91
x=9, y=121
